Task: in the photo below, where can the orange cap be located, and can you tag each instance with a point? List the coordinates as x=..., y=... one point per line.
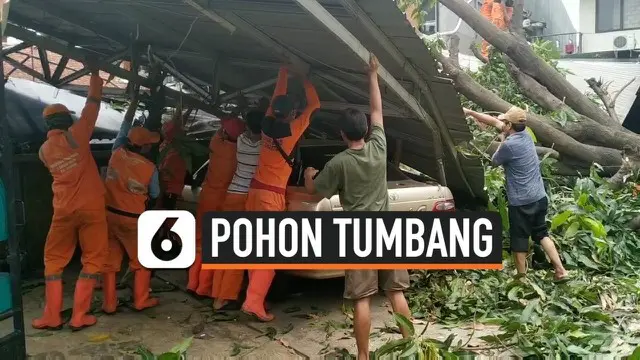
x=140, y=136
x=232, y=126
x=55, y=109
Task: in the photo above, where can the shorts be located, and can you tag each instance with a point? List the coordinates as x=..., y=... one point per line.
x=359, y=284
x=526, y=221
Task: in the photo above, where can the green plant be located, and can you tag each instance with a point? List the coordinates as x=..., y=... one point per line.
x=415, y=347
x=178, y=352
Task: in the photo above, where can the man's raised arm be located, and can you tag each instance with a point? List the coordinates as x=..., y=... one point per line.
x=121, y=139
x=485, y=119
x=87, y=122
x=281, y=87
x=375, y=99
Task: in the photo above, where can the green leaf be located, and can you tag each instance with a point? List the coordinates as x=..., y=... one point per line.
x=560, y=219
x=169, y=356
x=596, y=227
x=578, y=334
x=183, y=346
x=572, y=230
x=577, y=350
x=635, y=355
x=409, y=352
x=145, y=353
x=597, y=315
x=404, y=323
x=588, y=262
x=513, y=293
x=528, y=311
x=448, y=341
x=392, y=346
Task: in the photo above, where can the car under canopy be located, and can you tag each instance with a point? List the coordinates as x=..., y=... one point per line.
x=236, y=47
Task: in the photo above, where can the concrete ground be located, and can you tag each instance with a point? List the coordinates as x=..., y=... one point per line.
x=310, y=324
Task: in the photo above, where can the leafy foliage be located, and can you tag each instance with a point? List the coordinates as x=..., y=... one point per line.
x=178, y=352
x=595, y=312
x=419, y=8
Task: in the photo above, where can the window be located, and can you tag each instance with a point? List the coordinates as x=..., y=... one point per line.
x=612, y=15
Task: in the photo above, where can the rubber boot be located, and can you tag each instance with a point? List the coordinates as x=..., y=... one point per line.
x=194, y=274
x=141, y=298
x=205, y=280
x=82, y=304
x=51, y=319
x=259, y=284
x=109, y=293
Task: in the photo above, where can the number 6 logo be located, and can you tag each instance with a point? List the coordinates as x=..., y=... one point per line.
x=166, y=239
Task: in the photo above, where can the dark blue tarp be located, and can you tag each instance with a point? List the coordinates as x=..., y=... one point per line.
x=26, y=99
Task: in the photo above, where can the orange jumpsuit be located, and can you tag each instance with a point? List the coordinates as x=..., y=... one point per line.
x=228, y=283
x=499, y=16
x=485, y=10
x=222, y=165
x=127, y=183
x=78, y=214
x=173, y=168
x=268, y=188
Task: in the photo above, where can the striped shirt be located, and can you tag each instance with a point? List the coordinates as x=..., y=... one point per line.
x=247, y=154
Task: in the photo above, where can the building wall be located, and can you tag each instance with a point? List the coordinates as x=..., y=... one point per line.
x=597, y=42
x=447, y=21
x=561, y=16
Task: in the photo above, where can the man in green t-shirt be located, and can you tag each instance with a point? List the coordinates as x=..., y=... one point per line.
x=359, y=176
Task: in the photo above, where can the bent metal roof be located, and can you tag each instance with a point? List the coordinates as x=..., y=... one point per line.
x=239, y=44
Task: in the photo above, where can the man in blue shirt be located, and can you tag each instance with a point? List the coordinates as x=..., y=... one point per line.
x=527, y=196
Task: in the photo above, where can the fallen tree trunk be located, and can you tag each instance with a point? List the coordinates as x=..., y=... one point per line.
x=520, y=51
x=545, y=129
x=584, y=129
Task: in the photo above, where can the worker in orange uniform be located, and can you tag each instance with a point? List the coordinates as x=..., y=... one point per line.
x=227, y=283
x=222, y=164
x=499, y=16
x=132, y=179
x=78, y=209
x=485, y=10
x=173, y=168
x=281, y=132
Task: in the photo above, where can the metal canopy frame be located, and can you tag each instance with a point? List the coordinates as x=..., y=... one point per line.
x=334, y=26
x=407, y=77
x=105, y=64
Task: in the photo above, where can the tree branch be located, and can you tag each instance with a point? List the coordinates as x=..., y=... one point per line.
x=544, y=129
x=530, y=63
x=615, y=97
x=454, y=49
x=532, y=89
x=518, y=18
x=475, y=50
x=602, y=93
